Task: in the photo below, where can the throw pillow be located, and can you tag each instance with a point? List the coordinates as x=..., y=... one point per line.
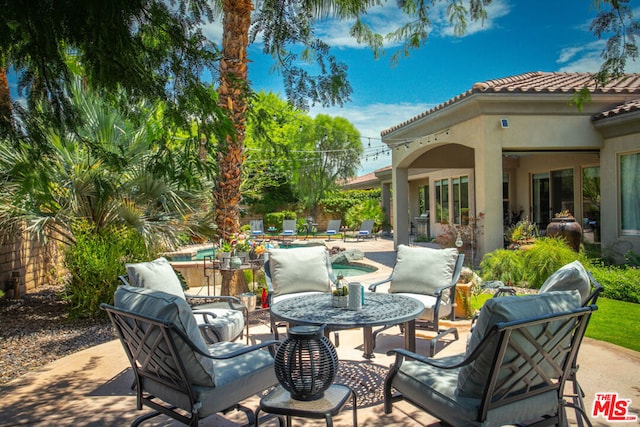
x=570, y=276
x=299, y=270
x=422, y=270
x=157, y=275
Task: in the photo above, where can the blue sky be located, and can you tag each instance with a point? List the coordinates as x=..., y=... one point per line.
x=518, y=37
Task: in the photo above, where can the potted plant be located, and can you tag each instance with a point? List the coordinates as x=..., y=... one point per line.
x=466, y=287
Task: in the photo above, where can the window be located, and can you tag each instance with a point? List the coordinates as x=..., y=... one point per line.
x=442, y=201
x=591, y=204
x=562, y=191
x=630, y=194
x=460, y=200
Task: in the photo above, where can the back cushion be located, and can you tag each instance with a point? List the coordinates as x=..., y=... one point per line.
x=175, y=310
x=299, y=270
x=569, y=277
x=157, y=275
x=473, y=377
x=422, y=270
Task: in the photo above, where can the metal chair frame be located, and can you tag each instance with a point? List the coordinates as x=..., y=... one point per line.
x=150, y=345
x=434, y=324
x=503, y=386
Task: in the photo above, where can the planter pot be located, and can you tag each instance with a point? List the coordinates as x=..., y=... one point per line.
x=568, y=229
x=340, y=302
x=249, y=300
x=463, y=300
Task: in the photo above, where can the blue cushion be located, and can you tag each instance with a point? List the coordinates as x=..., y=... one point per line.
x=473, y=377
x=173, y=309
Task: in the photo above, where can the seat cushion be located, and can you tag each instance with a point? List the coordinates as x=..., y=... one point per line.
x=434, y=389
x=568, y=277
x=175, y=310
x=227, y=323
x=299, y=270
x=236, y=378
x=157, y=275
x=422, y=270
x=429, y=303
x=473, y=377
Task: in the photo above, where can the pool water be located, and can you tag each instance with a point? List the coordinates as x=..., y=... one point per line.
x=348, y=270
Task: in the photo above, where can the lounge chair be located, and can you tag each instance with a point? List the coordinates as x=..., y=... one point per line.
x=257, y=228
x=430, y=276
x=176, y=373
x=366, y=230
x=514, y=371
x=333, y=228
x=221, y=318
x=288, y=229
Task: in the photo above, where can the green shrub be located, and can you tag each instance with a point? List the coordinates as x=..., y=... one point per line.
x=529, y=268
x=621, y=283
x=366, y=209
x=274, y=219
x=95, y=262
x=544, y=258
x=504, y=265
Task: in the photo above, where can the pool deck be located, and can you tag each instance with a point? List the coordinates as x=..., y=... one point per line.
x=93, y=387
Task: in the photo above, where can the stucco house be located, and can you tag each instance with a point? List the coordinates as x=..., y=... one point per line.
x=516, y=146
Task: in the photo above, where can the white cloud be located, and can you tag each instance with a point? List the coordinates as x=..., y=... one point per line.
x=587, y=58
x=370, y=120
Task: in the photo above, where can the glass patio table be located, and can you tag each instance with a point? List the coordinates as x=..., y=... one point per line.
x=379, y=309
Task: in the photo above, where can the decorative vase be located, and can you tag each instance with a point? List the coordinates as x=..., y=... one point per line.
x=306, y=362
x=567, y=228
x=236, y=262
x=249, y=300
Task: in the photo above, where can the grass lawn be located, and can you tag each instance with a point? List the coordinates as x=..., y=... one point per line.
x=616, y=322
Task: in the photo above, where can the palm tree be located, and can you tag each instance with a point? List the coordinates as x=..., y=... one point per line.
x=108, y=171
x=5, y=100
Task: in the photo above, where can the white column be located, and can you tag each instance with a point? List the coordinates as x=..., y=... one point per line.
x=400, y=179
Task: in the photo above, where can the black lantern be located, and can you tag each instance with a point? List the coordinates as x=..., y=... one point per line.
x=306, y=362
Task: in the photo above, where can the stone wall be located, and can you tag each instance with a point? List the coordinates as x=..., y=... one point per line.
x=26, y=264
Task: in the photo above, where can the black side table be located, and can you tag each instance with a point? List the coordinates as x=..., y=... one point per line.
x=279, y=402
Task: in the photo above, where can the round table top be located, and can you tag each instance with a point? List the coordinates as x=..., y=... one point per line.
x=378, y=309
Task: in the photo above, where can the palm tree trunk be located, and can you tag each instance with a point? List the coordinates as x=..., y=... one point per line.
x=232, y=97
x=5, y=102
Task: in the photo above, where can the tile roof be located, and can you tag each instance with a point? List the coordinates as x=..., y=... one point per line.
x=537, y=82
x=627, y=107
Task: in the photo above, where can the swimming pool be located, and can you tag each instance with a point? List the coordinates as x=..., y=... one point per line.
x=349, y=270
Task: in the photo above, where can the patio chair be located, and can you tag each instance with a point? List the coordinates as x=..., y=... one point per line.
x=513, y=373
x=430, y=276
x=176, y=373
x=221, y=318
x=333, y=228
x=297, y=271
x=288, y=229
x=257, y=228
x=366, y=230
x=571, y=276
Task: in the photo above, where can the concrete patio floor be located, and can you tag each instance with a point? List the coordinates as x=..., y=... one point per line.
x=92, y=387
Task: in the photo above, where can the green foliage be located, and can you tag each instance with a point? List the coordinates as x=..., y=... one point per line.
x=619, y=282
x=341, y=201
x=524, y=230
x=544, y=258
x=504, y=265
x=275, y=219
x=366, y=209
x=528, y=268
x=96, y=261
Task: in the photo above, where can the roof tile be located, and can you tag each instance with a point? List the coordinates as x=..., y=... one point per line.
x=538, y=82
